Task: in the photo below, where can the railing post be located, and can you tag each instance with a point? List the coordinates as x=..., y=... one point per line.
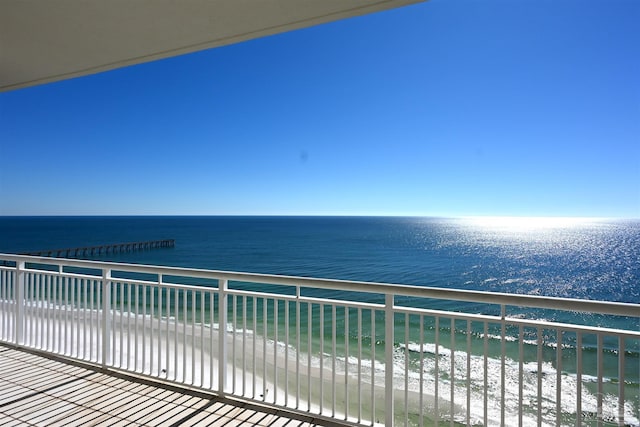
x=503, y=328
x=222, y=335
x=388, y=356
x=19, y=292
x=106, y=317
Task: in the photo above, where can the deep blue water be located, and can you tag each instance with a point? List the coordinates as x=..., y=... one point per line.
x=586, y=259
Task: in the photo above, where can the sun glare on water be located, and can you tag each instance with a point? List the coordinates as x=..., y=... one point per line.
x=524, y=224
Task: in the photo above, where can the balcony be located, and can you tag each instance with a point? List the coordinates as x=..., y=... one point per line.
x=390, y=354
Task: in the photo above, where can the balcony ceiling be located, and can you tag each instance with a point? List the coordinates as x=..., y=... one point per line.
x=49, y=40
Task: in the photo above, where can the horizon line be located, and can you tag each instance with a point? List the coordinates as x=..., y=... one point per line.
x=332, y=215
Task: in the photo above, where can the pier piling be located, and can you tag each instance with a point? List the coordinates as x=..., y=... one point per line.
x=105, y=249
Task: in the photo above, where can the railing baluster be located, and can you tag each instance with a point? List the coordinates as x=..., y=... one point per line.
x=421, y=413
x=452, y=370
x=468, y=372
x=85, y=329
x=333, y=359
x=286, y=353
x=34, y=311
x=485, y=383
x=152, y=311
x=6, y=301
x=34, y=320
x=254, y=372
x=176, y=347
x=202, y=295
x=22, y=326
x=503, y=381
x=12, y=305
x=309, y=352
x=144, y=329
x=234, y=320
x=3, y=303
x=276, y=309
x=82, y=326
x=106, y=319
x=389, y=343
x=49, y=312
x=244, y=346
x=98, y=312
x=118, y=291
x=92, y=285
x=185, y=319
x=14, y=313
x=406, y=369
x=211, y=335
x=436, y=374
x=7, y=279
x=359, y=364
x=222, y=339
x=62, y=313
x=600, y=394
x=193, y=338
x=373, y=365
x=298, y=348
x=167, y=339
x=346, y=362
x=74, y=315
x=129, y=315
x=65, y=314
x=264, y=349
x=520, y=372
x=579, y=379
x=54, y=315
x=159, y=370
x=39, y=308
x=46, y=305
x=321, y=331
x=559, y=339
x=136, y=288
x=621, y=380
x=539, y=375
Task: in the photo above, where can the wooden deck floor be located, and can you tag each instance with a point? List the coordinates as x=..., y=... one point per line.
x=39, y=391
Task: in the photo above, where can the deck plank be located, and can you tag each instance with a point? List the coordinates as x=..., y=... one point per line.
x=39, y=391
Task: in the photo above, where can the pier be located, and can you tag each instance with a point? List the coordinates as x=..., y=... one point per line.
x=105, y=249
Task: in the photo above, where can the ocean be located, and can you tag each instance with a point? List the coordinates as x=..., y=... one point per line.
x=564, y=257
x=591, y=259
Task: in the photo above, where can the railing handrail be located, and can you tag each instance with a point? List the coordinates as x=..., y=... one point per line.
x=485, y=297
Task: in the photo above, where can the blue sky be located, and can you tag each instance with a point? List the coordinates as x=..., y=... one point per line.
x=446, y=108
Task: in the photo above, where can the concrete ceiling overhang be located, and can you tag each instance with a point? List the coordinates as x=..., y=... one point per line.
x=43, y=41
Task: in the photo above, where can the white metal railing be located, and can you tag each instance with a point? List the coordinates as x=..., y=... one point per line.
x=384, y=354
